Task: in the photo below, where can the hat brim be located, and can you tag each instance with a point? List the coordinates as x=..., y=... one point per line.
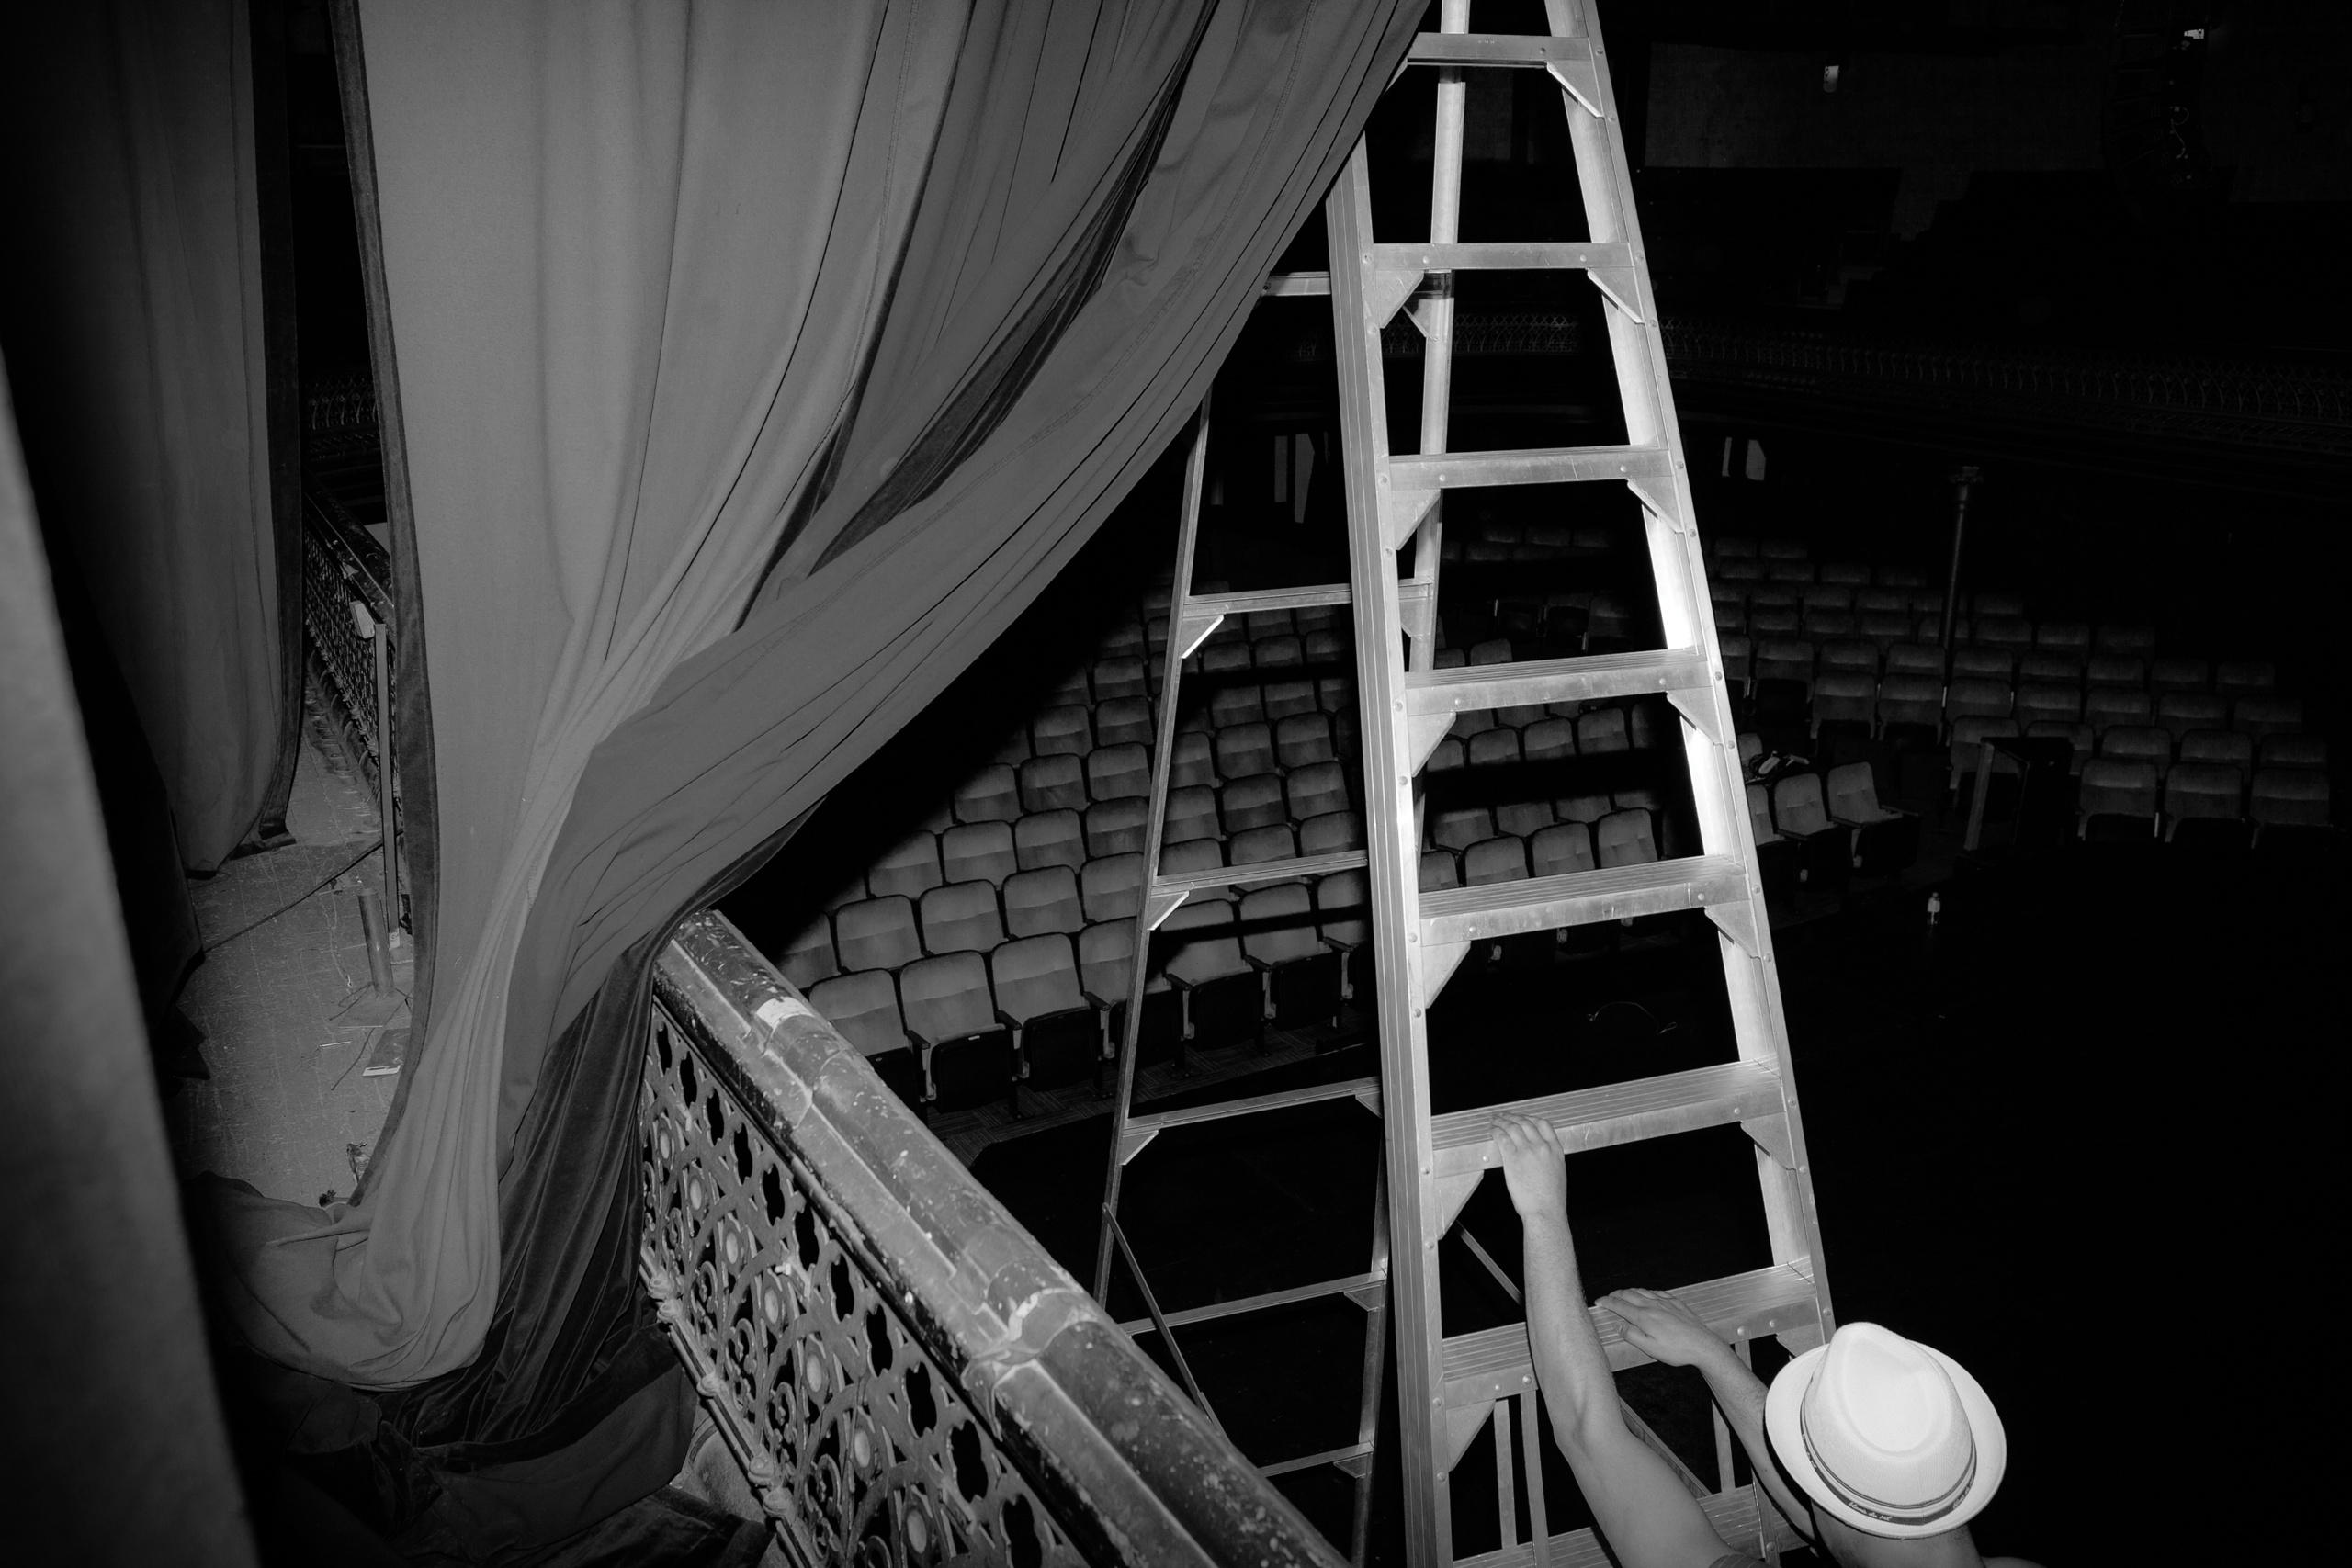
x=1785, y=1399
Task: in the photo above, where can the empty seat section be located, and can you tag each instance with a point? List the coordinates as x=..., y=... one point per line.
x=1052, y=837
x=878, y=933
x=979, y=852
x=1037, y=902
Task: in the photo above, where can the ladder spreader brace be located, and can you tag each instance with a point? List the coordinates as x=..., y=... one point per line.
x=1451, y=1387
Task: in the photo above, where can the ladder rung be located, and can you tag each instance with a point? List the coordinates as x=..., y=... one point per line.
x=1308, y=1461
x=1462, y=1141
x=1497, y=49
x=1267, y=599
x=1339, y=1287
x=1506, y=256
x=1580, y=899
x=1258, y=871
x=1283, y=284
x=1732, y=1513
x=1536, y=466
x=1494, y=1362
x=1471, y=687
x=1280, y=1099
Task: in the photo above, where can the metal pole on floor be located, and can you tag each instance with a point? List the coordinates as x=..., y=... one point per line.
x=1963, y=480
x=378, y=636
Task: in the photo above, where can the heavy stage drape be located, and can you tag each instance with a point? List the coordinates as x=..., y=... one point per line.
x=760, y=364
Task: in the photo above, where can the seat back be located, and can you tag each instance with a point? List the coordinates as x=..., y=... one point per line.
x=1759, y=814
x=1106, y=955
x=1460, y=827
x=946, y=996
x=1439, y=870
x=1798, y=807
x=2264, y=716
x=1911, y=699
x=1193, y=855
x=2290, y=797
x=2204, y=789
x=1303, y=739
x=1114, y=677
x=1850, y=658
x=864, y=1009
x=1277, y=653
x=1036, y=976
x=1563, y=850
x=2231, y=748
x=977, y=851
x=1778, y=658
x=1978, y=697
x=962, y=917
x=1052, y=837
x=2177, y=675
x=1624, y=838
x=1191, y=813
x=1255, y=846
x=1115, y=827
x=877, y=934
x=1853, y=794
x=1244, y=750
x=1249, y=803
x=2117, y=670
x=1199, y=944
x=1843, y=696
x=1123, y=721
x=1602, y=730
x=2235, y=678
x=1278, y=925
x=1983, y=664
x=2181, y=712
x=2294, y=751
x=1522, y=818
x=1111, y=888
x=1313, y=790
x=1063, y=731
x=2118, y=787
x=1054, y=783
x=1342, y=909
x=909, y=867
x=1287, y=699
x=1043, y=900
x=1548, y=740
x=2048, y=703
x=1195, y=764
x=808, y=956
x=1330, y=831
x=2140, y=642
x=1118, y=773
x=1499, y=859
x=1230, y=705
x=991, y=795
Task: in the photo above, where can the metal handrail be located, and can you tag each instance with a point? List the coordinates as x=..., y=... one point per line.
x=901, y=1370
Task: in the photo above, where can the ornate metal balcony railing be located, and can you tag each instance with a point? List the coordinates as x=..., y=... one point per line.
x=903, y=1373
x=342, y=563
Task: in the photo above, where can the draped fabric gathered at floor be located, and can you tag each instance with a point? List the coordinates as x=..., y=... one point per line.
x=758, y=364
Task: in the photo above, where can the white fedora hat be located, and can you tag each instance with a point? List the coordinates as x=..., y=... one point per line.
x=1890, y=1437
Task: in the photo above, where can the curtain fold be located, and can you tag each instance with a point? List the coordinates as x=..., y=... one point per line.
x=894, y=302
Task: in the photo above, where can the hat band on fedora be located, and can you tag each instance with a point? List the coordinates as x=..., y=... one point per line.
x=1879, y=1508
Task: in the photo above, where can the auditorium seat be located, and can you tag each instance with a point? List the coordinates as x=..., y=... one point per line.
x=1775, y=621
x=1329, y=832
x=1738, y=655
x=1600, y=732
x=1843, y=702
x=1123, y=721
x=910, y=867
x=2115, y=705
x=2235, y=678
x=1287, y=699
x=2205, y=803
x=1312, y=791
x=1070, y=689
x=1118, y=773
x=1458, y=828
x=1230, y=705
x=2040, y=704
x=865, y=1007
x=2041, y=668
x=1123, y=641
x=1283, y=652
x=1823, y=625
x=1784, y=659
x=1852, y=573
x=2289, y=808
x=2118, y=800
x=2294, y=751
x=1195, y=763
x=2139, y=743
x=807, y=958
x=878, y=933
x=968, y=1053
x=1915, y=659
x=2117, y=670
x=2231, y=748
x=1253, y=802
x=961, y=918
x=1191, y=813
x=977, y=851
x=1884, y=627
x=1115, y=677
x=1881, y=601
x=1563, y=850
x=1499, y=859
x=1049, y=838
x=1117, y=826
x=1439, y=871
x=1624, y=838
x=992, y=795
x=1731, y=618
x=1342, y=918
x=1298, y=975
x=1202, y=960
x=2264, y=716
x=1245, y=749
x=1779, y=862
x=1523, y=819
x=1584, y=808
x=1046, y=899
x=1304, y=740
x=1191, y=856
x=1969, y=733
x=1263, y=626
x=2177, y=675
x=1978, y=663
x=1062, y=732
x=1975, y=697
x=1226, y=651
x=1446, y=756
x=1472, y=722
x=2013, y=633
x=1492, y=749
x=2181, y=712
x=1825, y=596
x=1801, y=812
x=1548, y=740
x=1999, y=602
x=2082, y=741
x=1851, y=657
x=1327, y=646
x=1729, y=547
x=2137, y=641
x=1110, y=888
x=1255, y=846
x=2069, y=638
x=1885, y=839
x=1055, y=1038
x=1900, y=576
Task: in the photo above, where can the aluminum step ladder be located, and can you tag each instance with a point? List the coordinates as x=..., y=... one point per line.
x=1450, y=1386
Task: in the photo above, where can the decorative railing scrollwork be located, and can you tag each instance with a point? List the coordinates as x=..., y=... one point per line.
x=903, y=1373
x=342, y=563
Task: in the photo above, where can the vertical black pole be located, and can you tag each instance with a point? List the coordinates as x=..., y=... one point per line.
x=1962, y=478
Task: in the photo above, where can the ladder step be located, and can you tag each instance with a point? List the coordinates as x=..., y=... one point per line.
x=1257, y=871
x=1202, y=605
x=1366, y=1090
x=1494, y=1363
x=1371, y=1279
x=1462, y=1141
x=1472, y=687
x=1280, y=285
x=1506, y=256
x=1498, y=49
x=1545, y=903
x=1734, y=1515
x=1421, y=471
x=1308, y=1461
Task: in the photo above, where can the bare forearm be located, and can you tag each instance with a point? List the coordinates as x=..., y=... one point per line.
x=1739, y=1394
x=1569, y=1365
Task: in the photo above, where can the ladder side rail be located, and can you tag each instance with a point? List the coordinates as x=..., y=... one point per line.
x=1719, y=787
x=1393, y=890
x=1433, y=313
x=1375, y=1376
x=1163, y=760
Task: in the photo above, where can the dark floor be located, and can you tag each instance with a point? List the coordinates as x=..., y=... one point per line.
x=2047, y=1132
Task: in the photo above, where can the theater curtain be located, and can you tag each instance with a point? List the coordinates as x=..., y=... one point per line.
x=130, y=311
x=760, y=364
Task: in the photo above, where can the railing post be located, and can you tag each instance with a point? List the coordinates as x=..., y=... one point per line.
x=1963, y=480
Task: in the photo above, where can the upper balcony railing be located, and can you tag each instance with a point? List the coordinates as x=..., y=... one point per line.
x=904, y=1374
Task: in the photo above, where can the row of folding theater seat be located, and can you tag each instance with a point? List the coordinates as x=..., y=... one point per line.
x=1551, y=625
x=2200, y=801
x=955, y=1029
x=1504, y=737
x=1817, y=828
x=1503, y=539
x=1472, y=846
